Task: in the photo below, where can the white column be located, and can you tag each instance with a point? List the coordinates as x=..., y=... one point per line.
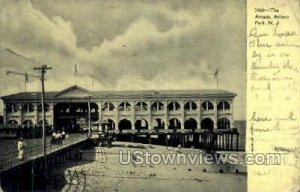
x=215, y=114
x=133, y=115
x=182, y=114
x=149, y=114
x=99, y=112
x=166, y=114
x=51, y=110
x=199, y=114
x=231, y=115
x=116, y=112
x=20, y=113
x=36, y=117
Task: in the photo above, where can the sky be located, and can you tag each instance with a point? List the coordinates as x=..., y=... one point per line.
x=125, y=45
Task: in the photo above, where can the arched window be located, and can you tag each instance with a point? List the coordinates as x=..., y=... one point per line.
x=157, y=106
x=46, y=107
x=223, y=105
x=190, y=106
x=223, y=123
x=12, y=107
x=12, y=122
x=207, y=105
x=141, y=106
x=28, y=108
x=174, y=106
x=108, y=106
x=124, y=106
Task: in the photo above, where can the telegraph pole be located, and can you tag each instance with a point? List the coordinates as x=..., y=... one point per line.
x=89, y=114
x=43, y=70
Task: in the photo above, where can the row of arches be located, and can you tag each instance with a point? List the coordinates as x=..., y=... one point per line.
x=174, y=123
x=159, y=106
x=124, y=106
x=26, y=122
x=26, y=108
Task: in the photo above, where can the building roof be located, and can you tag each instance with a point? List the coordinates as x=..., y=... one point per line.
x=114, y=94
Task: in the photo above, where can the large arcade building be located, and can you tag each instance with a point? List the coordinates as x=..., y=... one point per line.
x=121, y=110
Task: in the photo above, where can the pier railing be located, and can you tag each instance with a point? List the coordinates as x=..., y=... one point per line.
x=10, y=160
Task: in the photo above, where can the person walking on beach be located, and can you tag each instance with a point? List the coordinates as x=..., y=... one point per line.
x=21, y=149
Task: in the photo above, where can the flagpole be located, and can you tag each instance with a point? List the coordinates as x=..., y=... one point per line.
x=216, y=75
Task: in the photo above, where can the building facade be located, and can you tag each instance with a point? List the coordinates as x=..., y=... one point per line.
x=165, y=109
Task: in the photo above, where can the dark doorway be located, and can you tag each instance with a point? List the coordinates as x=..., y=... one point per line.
x=190, y=123
x=141, y=124
x=223, y=123
x=125, y=124
x=159, y=124
x=174, y=124
x=207, y=123
x=73, y=117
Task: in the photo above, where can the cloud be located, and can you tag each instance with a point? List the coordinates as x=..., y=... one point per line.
x=125, y=45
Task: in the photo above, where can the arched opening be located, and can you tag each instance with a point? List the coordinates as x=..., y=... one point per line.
x=46, y=107
x=190, y=106
x=223, y=123
x=190, y=123
x=157, y=106
x=207, y=123
x=124, y=106
x=108, y=106
x=141, y=124
x=223, y=105
x=108, y=124
x=141, y=106
x=125, y=125
x=28, y=108
x=174, y=106
x=12, y=107
x=207, y=105
x=174, y=124
x=12, y=122
x=158, y=124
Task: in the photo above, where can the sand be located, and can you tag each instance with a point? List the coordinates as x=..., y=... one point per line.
x=100, y=170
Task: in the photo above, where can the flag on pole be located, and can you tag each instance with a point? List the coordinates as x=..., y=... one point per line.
x=216, y=73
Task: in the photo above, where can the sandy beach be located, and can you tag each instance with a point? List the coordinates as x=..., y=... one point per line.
x=101, y=170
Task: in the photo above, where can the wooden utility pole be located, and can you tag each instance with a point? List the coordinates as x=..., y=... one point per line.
x=43, y=70
x=89, y=114
x=26, y=76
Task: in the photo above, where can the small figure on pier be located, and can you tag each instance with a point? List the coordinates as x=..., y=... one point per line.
x=63, y=134
x=53, y=139
x=21, y=149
